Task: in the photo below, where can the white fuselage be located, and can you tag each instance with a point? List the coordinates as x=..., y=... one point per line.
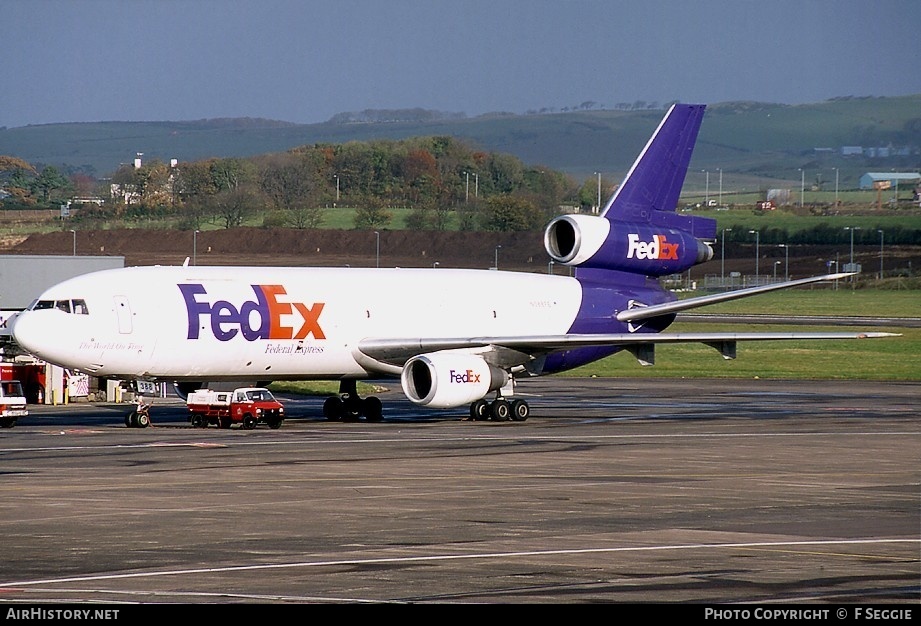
x=251, y=323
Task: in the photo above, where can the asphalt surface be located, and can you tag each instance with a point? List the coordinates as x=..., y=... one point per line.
x=614, y=491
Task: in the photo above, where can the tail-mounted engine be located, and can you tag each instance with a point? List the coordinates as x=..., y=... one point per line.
x=596, y=242
x=444, y=380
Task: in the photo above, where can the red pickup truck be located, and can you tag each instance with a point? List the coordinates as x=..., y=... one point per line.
x=246, y=406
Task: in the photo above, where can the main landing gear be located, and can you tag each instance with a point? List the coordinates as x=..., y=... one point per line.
x=499, y=410
x=140, y=416
x=349, y=407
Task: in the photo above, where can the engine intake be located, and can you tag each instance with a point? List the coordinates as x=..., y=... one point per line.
x=443, y=380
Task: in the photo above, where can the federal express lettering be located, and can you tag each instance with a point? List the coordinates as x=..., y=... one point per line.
x=656, y=250
x=228, y=319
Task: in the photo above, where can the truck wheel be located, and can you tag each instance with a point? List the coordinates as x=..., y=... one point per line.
x=249, y=422
x=7, y=422
x=197, y=421
x=275, y=423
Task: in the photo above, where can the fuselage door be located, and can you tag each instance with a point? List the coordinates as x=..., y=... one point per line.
x=123, y=312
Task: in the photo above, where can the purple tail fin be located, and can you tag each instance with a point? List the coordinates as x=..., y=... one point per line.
x=650, y=191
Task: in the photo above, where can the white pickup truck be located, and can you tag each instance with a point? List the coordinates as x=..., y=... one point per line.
x=12, y=403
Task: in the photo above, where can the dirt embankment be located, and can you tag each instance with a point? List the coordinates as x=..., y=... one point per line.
x=261, y=246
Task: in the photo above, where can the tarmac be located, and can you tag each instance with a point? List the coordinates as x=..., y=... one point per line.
x=613, y=491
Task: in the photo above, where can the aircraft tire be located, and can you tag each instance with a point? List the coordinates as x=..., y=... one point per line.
x=333, y=409
x=479, y=410
x=130, y=419
x=142, y=420
x=500, y=410
x=373, y=409
x=520, y=410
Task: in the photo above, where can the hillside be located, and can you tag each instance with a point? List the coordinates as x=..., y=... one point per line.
x=743, y=139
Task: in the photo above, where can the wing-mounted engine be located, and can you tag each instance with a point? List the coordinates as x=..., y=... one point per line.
x=597, y=242
x=444, y=380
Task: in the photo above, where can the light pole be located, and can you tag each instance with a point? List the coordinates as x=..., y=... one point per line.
x=852, y=229
x=550, y=267
x=836, y=186
x=786, y=258
x=497, y=256
x=802, y=186
x=435, y=264
x=707, y=192
x=598, y=206
x=336, y=176
x=880, y=254
x=757, y=234
x=467, y=188
x=476, y=186
x=720, y=170
x=195, y=247
x=723, y=259
x=377, y=255
x=776, y=263
x=75, y=240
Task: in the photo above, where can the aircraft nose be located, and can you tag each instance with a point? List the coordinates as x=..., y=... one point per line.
x=27, y=332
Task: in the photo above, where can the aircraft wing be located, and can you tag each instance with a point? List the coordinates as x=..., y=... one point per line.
x=645, y=312
x=518, y=350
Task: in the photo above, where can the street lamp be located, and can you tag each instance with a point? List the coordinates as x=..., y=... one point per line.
x=377, y=256
x=195, y=248
x=776, y=263
x=720, y=170
x=550, y=267
x=880, y=254
x=852, y=229
x=467, y=190
x=836, y=186
x=497, y=256
x=598, y=174
x=435, y=264
x=802, y=186
x=707, y=193
x=75, y=240
x=757, y=234
x=723, y=259
x=786, y=256
x=336, y=176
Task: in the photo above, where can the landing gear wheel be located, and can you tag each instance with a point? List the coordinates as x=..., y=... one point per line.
x=500, y=410
x=333, y=409
x=131, y=419
x=479, y=410
x=249, y=422
x=520, y=410
x=142, y=420
x=372, y=409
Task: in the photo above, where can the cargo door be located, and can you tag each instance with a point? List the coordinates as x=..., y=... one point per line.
x=123, y=313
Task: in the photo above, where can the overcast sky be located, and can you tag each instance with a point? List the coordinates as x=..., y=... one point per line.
x=305, y=61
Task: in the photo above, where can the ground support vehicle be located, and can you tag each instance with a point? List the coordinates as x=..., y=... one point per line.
x=12, y=403
x=246, y=406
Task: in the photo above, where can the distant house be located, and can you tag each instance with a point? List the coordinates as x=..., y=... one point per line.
x=895, y=178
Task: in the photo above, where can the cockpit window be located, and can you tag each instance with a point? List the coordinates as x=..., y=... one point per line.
x=77, y=306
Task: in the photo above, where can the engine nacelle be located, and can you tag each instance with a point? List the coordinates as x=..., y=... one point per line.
x=443, y=380
x=591, y=241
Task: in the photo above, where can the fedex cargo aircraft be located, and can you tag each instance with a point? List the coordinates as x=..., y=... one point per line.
x=453, y=337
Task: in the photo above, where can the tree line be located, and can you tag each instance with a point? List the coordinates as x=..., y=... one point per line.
x=445, y=183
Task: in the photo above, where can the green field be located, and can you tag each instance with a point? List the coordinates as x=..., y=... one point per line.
x=892, y=358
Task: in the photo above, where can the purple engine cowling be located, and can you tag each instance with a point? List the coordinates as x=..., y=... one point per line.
x=595, y=242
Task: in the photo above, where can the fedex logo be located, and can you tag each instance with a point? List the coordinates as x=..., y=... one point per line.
x=657, y=249
x=254, y=319
x=468, y=376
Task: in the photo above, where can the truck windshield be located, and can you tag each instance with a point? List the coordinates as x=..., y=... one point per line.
x=260, y=395
x=11, y=388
